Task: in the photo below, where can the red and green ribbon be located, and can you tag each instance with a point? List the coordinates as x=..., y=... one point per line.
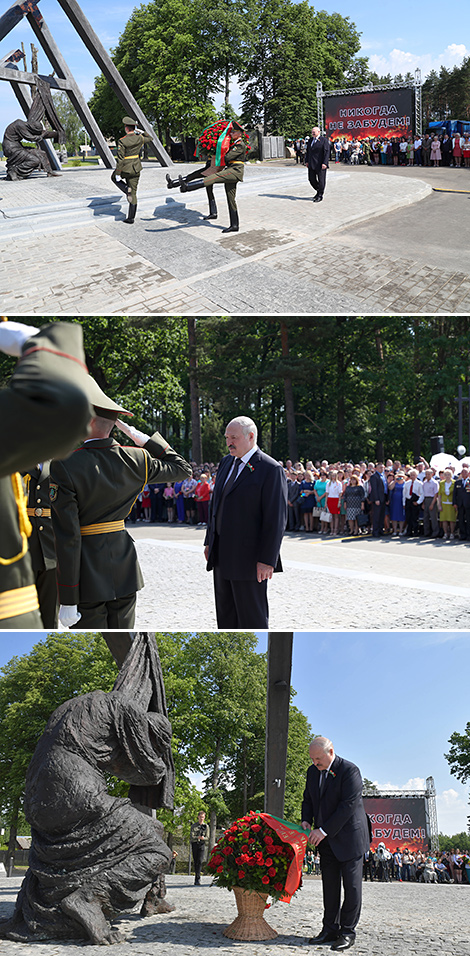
x=297, y=838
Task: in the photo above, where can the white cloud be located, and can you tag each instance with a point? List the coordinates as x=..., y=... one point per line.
x=399, y=61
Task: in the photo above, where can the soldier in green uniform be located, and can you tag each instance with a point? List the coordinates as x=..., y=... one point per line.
x=128, y=164
x=91, y=494
x=230, y=176
x=41, y=542
x=44, y=412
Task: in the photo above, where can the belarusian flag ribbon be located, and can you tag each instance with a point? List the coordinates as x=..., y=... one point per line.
x=297, y=838
x=223, y=144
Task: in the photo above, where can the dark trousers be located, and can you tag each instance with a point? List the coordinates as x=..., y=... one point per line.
x=317, y=179
x=464, y=522
x=198, y=856
x=378, y=516
x=107, y=615
x=240, y=604
x=412, y=512
x=46, y=586
x=338, y=919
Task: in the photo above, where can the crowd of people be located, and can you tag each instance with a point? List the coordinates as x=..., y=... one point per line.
x=427, y=150
x=344, y=498
x=404, y=865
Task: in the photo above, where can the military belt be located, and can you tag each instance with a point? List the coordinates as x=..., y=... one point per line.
x=18, y=601
x=103, y=527
x=133, y=157
x=38, y=512
x=236, y=162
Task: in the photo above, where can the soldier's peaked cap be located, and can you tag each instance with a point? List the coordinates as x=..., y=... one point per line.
x=128, y=121
x=104, y=407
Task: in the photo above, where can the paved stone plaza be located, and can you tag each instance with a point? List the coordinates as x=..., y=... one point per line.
x=327, y=584
x=398, y=919
x=65, y=249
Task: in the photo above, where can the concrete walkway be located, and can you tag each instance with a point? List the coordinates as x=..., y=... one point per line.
x=65, y=249
x=328, y=583
x=398, y=919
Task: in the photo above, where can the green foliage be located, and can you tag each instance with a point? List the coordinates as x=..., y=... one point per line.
x=295, y=48
x=216, y=696
x=363, y=387
x=447, y=94
x=459, y=841
x=59, y=667
x=458, y=757
x=70, y=120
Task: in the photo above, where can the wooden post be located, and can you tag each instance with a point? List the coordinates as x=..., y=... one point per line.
x=277, y=720
x=114, y=78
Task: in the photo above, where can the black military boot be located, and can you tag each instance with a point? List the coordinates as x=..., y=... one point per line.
x=121, y=184
x=131, y=213
x=212, y=204
x=171, y=183
x=234, y=223
x=189, y=187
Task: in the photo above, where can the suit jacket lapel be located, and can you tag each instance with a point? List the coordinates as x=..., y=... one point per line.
x=246, y=470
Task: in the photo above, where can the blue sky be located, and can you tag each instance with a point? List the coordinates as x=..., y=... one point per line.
x=388, y=701
x=396, y=37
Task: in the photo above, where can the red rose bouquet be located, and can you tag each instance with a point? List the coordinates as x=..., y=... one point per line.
x=215, y=140
x=261, y=854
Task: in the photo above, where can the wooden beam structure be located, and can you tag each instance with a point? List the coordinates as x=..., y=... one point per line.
x=65, y=80
x=277, y=720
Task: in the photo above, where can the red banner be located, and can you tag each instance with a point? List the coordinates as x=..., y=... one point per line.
x=383, y=113
x=297, y=838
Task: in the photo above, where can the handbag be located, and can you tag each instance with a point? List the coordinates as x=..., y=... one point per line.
x=316, y=512
x=325, y=516
x=362, y=520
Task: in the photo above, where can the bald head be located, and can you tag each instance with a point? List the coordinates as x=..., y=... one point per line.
x=321, y=752
x=240, y=435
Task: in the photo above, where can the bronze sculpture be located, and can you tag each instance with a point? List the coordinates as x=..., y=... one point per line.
x=94, y=855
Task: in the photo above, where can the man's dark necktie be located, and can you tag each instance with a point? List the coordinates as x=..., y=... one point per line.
x=228, y=485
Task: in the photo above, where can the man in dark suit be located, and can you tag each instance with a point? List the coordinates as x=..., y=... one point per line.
x=246, y=525
x=318, y=160
x=378, y=498
x=333, y=803
x=461, y=498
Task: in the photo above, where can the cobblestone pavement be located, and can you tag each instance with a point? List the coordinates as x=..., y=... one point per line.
x=67, y=250
x=398, y=919
x=331, y=584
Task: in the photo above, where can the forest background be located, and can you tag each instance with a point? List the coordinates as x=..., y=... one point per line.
x=216, y=697
x=334, y=387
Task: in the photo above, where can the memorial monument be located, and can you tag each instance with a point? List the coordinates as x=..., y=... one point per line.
x=95, y=855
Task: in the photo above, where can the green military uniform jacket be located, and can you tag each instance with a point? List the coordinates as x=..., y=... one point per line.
x=235, y=158
x=96, y=485
x=128, y=153
x=44, y=412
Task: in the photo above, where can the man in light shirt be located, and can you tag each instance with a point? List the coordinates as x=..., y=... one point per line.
x=430, y=515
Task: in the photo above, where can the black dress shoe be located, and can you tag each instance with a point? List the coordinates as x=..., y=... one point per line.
x=322, y=939
x=318, y=198
x=343, y=942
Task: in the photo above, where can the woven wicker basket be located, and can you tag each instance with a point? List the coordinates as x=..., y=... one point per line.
x=249, y=924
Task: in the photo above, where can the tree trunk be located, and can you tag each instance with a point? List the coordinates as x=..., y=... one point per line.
x=292, y=443
x=417, y=396
x=196, y=444
x=227, y=88
x=379, y=445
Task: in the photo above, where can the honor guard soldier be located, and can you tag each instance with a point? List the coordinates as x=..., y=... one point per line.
x=128, y=164
x=41, y=542
x=44, y=412
x=91, y=494
x=230, y=176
